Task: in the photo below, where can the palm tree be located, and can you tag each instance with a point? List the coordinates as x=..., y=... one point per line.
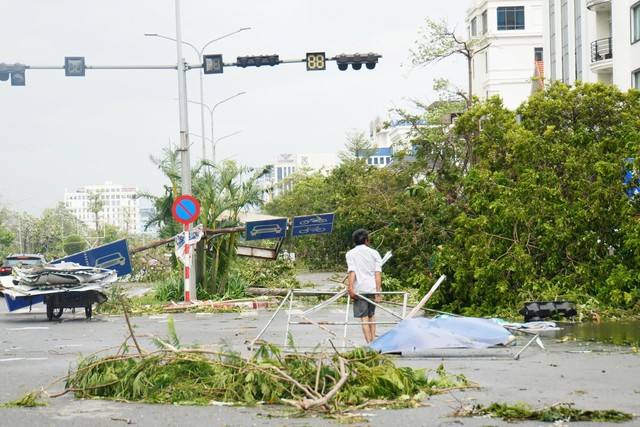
x=224, y=190
x=169, y=164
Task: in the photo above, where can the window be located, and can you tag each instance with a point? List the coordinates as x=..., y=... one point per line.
x=511, y=18
x=636, y=79
x=537, y=52
x=485, y=25
x=474, y=27
x=635, y=22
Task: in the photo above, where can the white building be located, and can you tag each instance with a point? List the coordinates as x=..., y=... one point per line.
x=119, y=206
x=286, y=164
x=386, y=137
x=512, y=41
x=593, y=41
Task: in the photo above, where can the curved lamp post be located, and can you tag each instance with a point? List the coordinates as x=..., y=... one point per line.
x=220, y=139
x=199, y=52
x=211, y=111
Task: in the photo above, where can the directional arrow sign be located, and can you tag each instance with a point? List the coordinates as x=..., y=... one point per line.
x=186, y=209
x=266, y=229
x=312, y=224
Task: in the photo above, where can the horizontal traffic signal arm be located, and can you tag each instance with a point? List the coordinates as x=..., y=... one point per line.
x=214, y=64
x=75, y=66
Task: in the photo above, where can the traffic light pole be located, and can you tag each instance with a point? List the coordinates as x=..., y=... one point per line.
x=185, y=160
x=211, y=64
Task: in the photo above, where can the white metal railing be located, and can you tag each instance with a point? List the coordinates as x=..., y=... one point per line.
x=303, y=319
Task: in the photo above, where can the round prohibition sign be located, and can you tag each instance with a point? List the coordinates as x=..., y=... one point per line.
x=186, y=209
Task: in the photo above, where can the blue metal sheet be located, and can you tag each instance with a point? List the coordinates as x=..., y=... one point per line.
x=312, y=224
x=114, y=256
x=266, y=229
x=18, y=303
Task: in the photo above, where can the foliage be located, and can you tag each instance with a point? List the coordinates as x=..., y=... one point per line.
x=6, y=235
x=95, y=203
x=310, y=194
x=279, y=273
x=29, y=400
x=539, y=214
x=170, y=287
x=152, y=265
x=357, y=147
x=169, y=164
x=191, y=376
x=224, y=190
x=551, y=414
x=439, y=42
x=45, y=234
x=546, y=217
x=74, y=243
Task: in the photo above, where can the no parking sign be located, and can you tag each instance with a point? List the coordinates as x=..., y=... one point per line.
x=186, y=209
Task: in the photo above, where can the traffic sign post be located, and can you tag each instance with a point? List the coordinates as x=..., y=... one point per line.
x=186, y=210
x=312, y=224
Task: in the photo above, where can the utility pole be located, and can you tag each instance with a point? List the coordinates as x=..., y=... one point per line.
x=211, y=64
x=185, y=161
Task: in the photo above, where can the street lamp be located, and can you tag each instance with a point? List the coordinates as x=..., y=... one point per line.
x=199, y=52
x=220, y=139
x=211, y=110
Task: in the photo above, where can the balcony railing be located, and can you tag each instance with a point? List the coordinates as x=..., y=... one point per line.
x=601, y=50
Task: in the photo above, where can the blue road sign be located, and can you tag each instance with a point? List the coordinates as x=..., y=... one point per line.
x=266, y=229
x=312, y=224
x=114, y=256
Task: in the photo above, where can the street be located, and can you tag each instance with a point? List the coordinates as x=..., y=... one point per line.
x=36, y=353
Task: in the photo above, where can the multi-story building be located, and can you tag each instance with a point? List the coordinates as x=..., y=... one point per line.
x=384, y=137
x=114, y=204
x=593, y=41
x=286, y=164
x=509, y=55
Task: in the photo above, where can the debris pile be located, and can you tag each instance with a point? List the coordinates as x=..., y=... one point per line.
x=55, y=278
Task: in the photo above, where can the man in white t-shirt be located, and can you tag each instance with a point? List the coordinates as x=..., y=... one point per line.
x=364, y=265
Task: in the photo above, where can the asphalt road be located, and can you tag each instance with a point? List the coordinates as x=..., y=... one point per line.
x=35, y=353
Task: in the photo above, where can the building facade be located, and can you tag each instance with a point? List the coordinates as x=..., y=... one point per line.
x=510, y=52
x=593, y=41
x=117, y=206
x=385, y=138
x=287, y=164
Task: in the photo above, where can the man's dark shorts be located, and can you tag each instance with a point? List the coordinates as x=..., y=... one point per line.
x=362, y=308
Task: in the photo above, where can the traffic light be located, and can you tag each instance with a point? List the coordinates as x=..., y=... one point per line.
x=74, y=66
x=212, y=64
x=257, y=61
x=356, y=60
x=13, y=71
x=18, y=78
x=316, y=61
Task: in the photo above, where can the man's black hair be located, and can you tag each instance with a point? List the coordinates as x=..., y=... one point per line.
x=360, y=236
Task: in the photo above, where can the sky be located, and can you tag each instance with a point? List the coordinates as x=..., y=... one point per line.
x=61, y=133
